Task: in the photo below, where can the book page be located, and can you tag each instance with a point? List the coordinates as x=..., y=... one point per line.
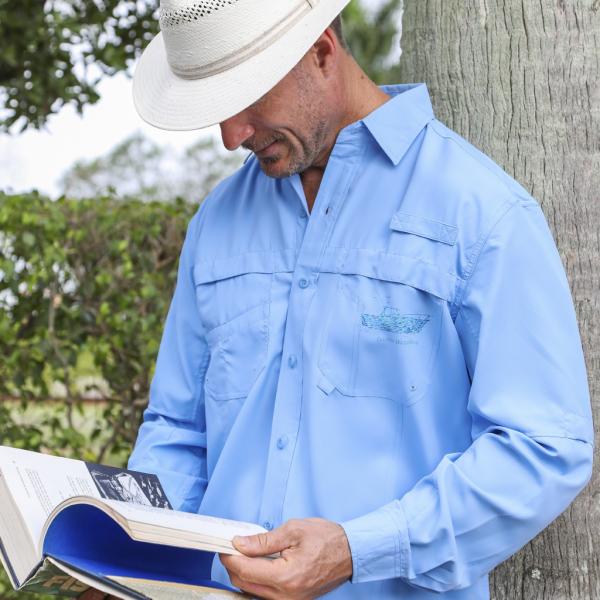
x=128, y=486
x=188, y=523
x=127, y=588
x=159, y=590
x=39, y=482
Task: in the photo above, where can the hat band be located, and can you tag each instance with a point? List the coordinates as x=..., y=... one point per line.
x=242, y=54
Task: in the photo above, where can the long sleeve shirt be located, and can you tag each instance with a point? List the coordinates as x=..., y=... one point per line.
x=403, y=360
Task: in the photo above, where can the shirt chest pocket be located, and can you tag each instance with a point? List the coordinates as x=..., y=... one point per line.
x=233, y=296
x=383, y=324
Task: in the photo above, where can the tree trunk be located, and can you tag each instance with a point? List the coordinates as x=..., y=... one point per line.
x=521, y=81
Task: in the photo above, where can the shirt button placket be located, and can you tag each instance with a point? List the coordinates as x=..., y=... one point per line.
x=289, y=394
x=287, y=414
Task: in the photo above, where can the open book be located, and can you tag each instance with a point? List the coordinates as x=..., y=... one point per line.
x=66, y=525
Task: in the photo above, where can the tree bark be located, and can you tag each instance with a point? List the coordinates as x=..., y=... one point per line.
x=521, y=80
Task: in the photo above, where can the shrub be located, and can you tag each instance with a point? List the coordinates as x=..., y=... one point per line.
x=85, y=286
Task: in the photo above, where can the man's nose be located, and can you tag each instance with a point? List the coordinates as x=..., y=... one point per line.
x=235, y=131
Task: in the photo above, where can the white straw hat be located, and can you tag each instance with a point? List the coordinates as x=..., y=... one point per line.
x=214, y=58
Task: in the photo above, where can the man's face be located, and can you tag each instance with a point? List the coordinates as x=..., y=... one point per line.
x=288, y=128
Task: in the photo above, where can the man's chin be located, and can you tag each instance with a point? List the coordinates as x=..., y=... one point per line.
x=275, y=166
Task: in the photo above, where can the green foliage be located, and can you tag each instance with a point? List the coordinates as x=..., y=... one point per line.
x=83, y=281
x=48, y=49
x=139, y=168
x=16, y=435
x=85, y=285
x=55, y=52
x=7, y=592
x=371, y=37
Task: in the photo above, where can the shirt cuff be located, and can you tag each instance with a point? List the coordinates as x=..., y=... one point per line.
x=379, y=544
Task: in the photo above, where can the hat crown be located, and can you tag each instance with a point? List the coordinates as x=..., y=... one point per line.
x=249, y=45
x=205, y=37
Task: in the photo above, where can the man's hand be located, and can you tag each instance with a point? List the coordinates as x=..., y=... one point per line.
x=315, y=558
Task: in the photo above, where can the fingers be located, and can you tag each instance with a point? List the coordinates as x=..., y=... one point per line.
x=264, y=544
x=252, y=569
x=314, y=559
x=254, y=589
x=259, y=577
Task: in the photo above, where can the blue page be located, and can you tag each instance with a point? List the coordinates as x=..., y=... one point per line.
x=87, y=538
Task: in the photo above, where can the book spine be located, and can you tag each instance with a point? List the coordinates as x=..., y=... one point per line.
x=8, y=567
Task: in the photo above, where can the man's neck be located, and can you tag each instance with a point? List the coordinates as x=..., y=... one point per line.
x=311, y=181
x=362, y=98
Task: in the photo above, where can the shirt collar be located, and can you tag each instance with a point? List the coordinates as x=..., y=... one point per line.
x=397, y=122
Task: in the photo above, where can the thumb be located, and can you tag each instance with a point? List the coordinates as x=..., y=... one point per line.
x=262, y=544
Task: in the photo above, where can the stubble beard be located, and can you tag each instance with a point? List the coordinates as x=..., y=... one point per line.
x=304, y=149
x=302, y=155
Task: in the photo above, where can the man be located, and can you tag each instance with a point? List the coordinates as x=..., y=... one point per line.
x=371, y=349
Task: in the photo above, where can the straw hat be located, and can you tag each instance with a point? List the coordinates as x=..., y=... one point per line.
x=214, y=58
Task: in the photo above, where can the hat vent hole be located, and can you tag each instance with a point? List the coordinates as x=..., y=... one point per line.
x=189, y=14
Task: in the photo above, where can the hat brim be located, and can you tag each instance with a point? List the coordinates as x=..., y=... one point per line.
x=170, y=102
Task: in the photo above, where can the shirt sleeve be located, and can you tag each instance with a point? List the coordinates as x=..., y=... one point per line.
x=532, y=431
x=171, y=441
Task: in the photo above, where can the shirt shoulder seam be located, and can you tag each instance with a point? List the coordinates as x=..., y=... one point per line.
x=463, y=282
x=464, y=146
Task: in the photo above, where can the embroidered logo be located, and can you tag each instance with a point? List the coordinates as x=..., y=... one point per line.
x=393, y=321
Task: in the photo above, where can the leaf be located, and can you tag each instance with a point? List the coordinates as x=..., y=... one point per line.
x=28, y=238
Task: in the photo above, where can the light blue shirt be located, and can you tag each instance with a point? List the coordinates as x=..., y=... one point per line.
x=404, y=360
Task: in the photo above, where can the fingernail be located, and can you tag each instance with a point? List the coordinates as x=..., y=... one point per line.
x=240, y=541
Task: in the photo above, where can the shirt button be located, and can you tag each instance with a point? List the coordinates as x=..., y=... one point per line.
x=303, y=283
x=292, y=362
x=282, y=442
x=267, y=526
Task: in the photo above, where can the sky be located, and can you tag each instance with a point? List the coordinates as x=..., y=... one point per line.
x=37, y=159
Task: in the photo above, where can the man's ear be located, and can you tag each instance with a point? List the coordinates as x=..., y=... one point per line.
x=326, y=52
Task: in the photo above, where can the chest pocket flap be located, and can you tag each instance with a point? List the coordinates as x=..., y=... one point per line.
x=233, y=295
x=208, y=271
x=424, y=227
x=395, y=268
